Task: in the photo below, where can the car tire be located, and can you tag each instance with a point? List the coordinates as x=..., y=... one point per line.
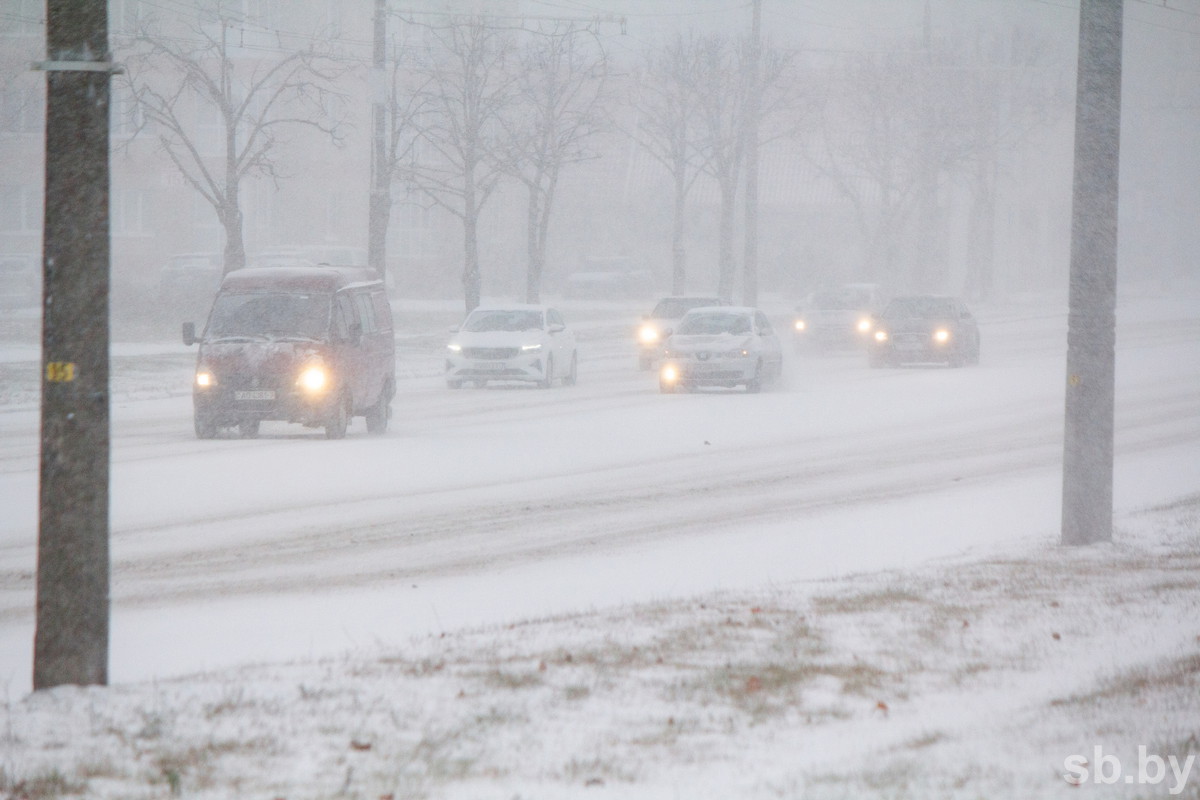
x=339, y=419
x=548, y=379
x=248, y=428
x=573, y=373
x=205, y=427
x=378, y=414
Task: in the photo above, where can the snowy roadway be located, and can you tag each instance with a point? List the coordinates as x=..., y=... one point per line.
x=484, y=507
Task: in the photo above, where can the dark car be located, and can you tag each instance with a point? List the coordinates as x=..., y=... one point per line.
x=666, y=313
x=923, y=329
x=311, y=345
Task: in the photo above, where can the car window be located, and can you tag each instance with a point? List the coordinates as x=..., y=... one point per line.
x=554, y=318
x=366, y=311
x=714, y=323
x=349, y=313
x=919, y=307
x=764, y=325
x=261, y=315
x=483, y=320
x=383, y=311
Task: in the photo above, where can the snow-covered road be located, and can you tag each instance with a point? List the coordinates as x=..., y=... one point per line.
x=485, y=506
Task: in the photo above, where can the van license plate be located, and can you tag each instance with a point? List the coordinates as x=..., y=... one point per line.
x=257, y=394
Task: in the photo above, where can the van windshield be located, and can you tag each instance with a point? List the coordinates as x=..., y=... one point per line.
x=269, y=316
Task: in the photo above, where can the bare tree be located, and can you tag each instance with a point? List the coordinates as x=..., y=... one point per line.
x=560, y=108
x=457, y=147
x=666, y=108
x=256, y=100
x=720, y=89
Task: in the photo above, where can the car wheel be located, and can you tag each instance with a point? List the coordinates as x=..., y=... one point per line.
x=378, y=414
x=754, y=385
x=548, y=378
x=205, y=427
x=573, y=372
x=248, y=428
x=339, y=419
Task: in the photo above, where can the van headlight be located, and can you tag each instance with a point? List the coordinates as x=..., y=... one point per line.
x=205, y=378
x=314, y=378
x=648, y=334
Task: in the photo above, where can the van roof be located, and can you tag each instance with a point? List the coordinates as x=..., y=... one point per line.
x=307, y=279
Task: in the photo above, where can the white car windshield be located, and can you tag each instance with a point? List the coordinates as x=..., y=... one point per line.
x=714, y=323
x=503, y=320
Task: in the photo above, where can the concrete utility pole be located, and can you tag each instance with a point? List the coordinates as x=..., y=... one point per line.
x=71, y=639
x=1091, y=333
x=381, y=199
x=753, y=102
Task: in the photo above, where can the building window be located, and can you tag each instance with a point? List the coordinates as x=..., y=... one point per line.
x=22, y=18
x=128, y=212
x=19, y=210
x=21, y=110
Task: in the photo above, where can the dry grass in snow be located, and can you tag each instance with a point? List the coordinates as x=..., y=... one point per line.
x=969, y=679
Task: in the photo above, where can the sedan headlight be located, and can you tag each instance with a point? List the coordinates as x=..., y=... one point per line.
x=669, y=374
x=864, y=325
x=648, y=334
x=454, y=347
x=314, y=378
x=881, y=336
x=205, y=379
x=530, y=348
x=801, y=325
x=941, y=336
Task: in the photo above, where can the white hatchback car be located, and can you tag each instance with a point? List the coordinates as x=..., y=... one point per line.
x=512, y=343
x=726, y=346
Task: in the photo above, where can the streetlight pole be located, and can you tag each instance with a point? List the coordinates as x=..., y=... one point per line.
x=1091, y=322
x=72, y=617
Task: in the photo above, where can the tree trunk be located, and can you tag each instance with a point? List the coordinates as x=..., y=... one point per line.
x=533, y=274
x=678, y=252
x=725, y=278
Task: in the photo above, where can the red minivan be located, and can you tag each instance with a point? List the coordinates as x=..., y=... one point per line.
x=311, y=345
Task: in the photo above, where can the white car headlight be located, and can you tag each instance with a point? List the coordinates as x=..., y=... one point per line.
x=648, y=334
x=864, y=325
x=530, y=348
x=881, y=336
x=454, y=347
x=314, y=378
x=205, y=379
x=941, y=336
x=801, y=324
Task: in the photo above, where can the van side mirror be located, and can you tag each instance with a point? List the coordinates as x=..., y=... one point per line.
x=189, y=333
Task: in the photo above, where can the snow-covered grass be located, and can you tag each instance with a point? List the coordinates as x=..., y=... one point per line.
x=967, y=679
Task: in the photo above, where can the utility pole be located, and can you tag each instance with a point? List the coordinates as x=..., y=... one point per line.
x=750, y=126
x=1091, y=320
x=380, y=202
x=71, y=638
